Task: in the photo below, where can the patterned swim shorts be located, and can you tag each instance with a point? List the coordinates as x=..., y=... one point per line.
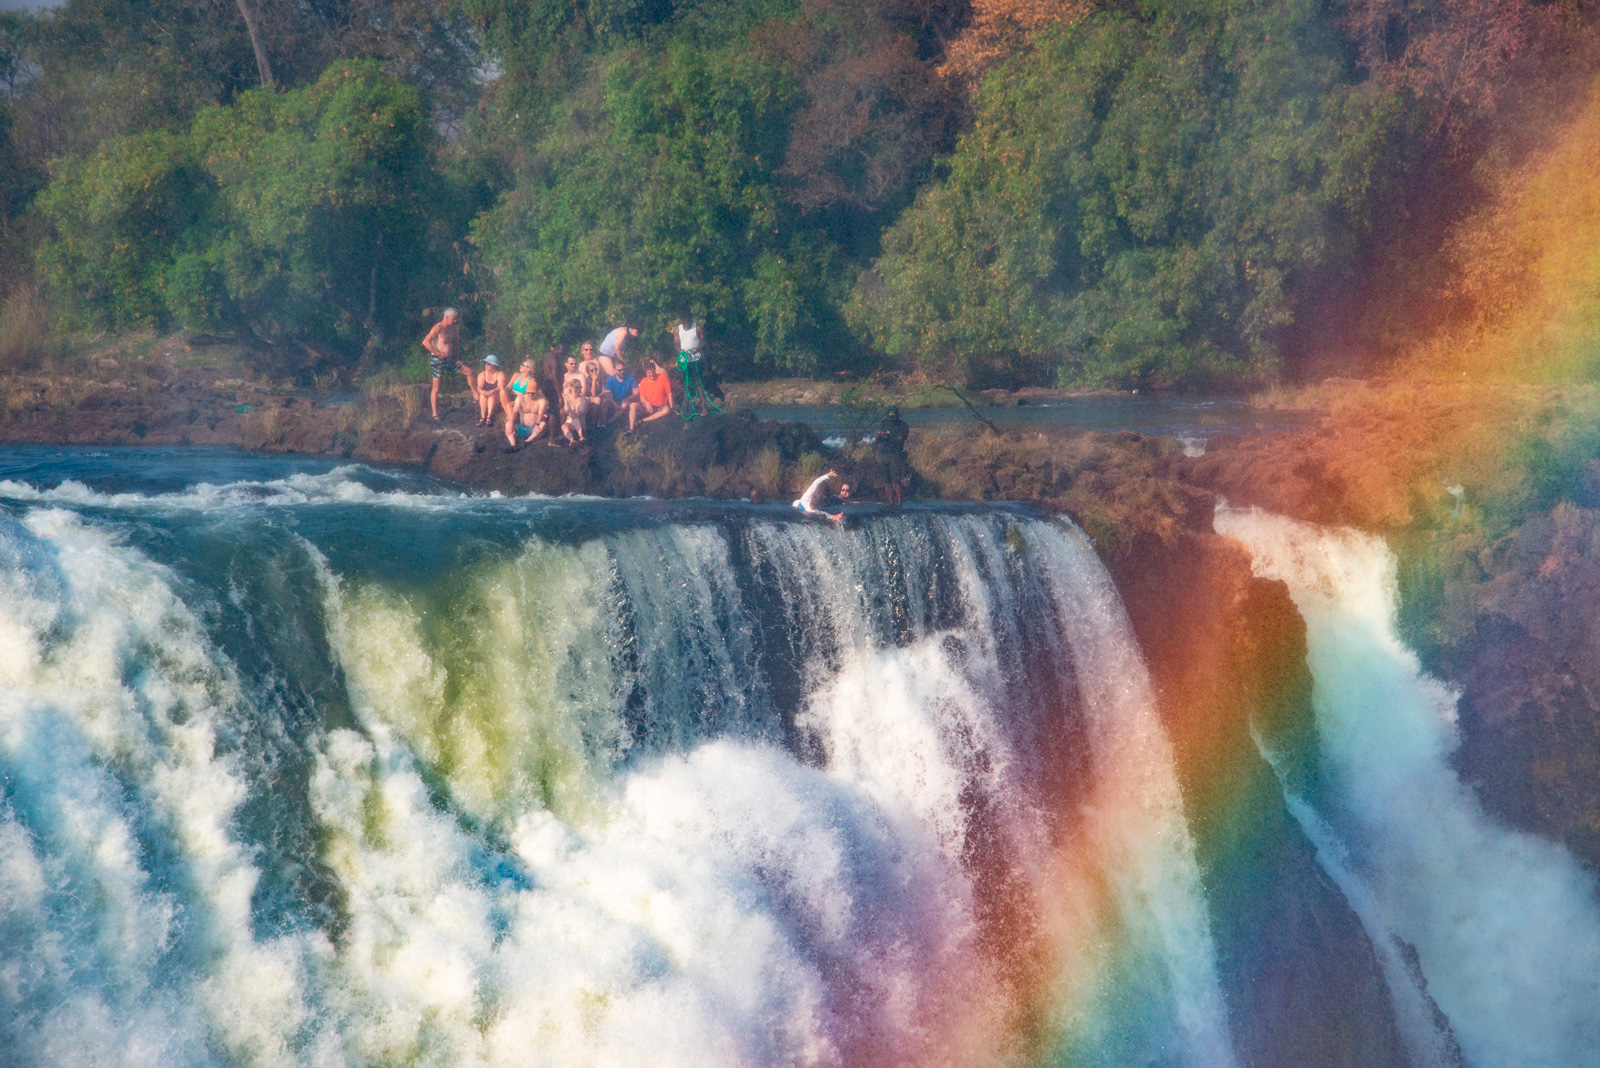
x=438, y=365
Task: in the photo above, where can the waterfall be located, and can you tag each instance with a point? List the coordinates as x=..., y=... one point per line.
x=325, y=769
x=1502, y=928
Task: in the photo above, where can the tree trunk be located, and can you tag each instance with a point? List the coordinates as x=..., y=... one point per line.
x=253, y=24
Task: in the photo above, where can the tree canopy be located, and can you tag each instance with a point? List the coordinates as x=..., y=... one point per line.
x=1108, y=192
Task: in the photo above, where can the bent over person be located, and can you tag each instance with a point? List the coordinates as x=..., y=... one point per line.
x=443, y=345
x=810, y=501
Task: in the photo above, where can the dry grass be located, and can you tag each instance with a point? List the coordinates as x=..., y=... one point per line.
x=369, y=415
x=769, y=468
x=407, y=396
x=410, y=398
x=24, y=330
x=266, y=424
x=671, y=472
x=811, y=465
x=630, y=447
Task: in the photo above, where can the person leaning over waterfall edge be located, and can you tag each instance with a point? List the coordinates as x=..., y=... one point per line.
x=808, y=500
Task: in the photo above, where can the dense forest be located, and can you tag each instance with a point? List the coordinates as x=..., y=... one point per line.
x=1134, y=193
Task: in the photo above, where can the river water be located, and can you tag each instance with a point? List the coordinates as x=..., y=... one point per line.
x=308, y=764
x=1190, y=419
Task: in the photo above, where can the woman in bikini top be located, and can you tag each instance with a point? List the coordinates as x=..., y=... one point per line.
x=490, y=382
x=524, y=380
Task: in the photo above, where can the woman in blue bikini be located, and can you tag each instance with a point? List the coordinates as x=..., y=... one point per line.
x=528, y=414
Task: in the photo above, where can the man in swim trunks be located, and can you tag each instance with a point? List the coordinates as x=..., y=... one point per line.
x=444, y=349
x=813, y=496
x=613, y=348
x=655, y=392
x=528, y=413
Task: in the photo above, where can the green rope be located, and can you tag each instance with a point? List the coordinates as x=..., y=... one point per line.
x=694, y=388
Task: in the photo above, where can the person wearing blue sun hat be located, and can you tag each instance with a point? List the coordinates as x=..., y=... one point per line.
x=491, y=390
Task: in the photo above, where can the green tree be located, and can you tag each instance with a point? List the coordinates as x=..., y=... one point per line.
x=115, y=221
x=1137, y=199
x=301, y=215
x=322, y=210
x=655, y=195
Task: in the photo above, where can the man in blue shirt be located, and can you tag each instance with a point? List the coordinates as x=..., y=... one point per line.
x=624, y=390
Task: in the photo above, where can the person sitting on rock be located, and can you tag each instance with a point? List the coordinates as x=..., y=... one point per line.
x=528, y=412
x=655, y=392
x=491, y=390
x=605, y=406
x=527, y=416
x=623, y=389
x=589, y=365
x=523, y=381
x=577, y=408
x=443, y=345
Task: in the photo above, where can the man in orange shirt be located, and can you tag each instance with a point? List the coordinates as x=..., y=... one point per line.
x=655, y=392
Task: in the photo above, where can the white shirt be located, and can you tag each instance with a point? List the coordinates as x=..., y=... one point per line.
x=689, y=337
x=808, y=499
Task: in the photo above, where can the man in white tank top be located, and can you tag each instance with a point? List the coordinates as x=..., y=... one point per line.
x=689, y=341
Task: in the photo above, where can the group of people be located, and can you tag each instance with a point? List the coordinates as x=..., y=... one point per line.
x=573, y=394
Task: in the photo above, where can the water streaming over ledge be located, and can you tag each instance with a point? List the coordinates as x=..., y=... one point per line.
x=1490, y=938
x=331, y=768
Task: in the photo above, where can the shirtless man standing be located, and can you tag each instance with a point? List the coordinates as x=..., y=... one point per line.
x=444, y=350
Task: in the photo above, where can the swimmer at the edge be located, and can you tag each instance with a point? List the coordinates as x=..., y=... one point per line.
x=808, y=500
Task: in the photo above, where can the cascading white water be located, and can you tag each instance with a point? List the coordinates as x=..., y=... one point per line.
x=1506, y=926
x=118, y=874
x=570, y=816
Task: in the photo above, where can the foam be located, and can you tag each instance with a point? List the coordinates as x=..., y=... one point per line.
x=339, y=486
x=1506, y=925
x=564, y=827
x=106, y=738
